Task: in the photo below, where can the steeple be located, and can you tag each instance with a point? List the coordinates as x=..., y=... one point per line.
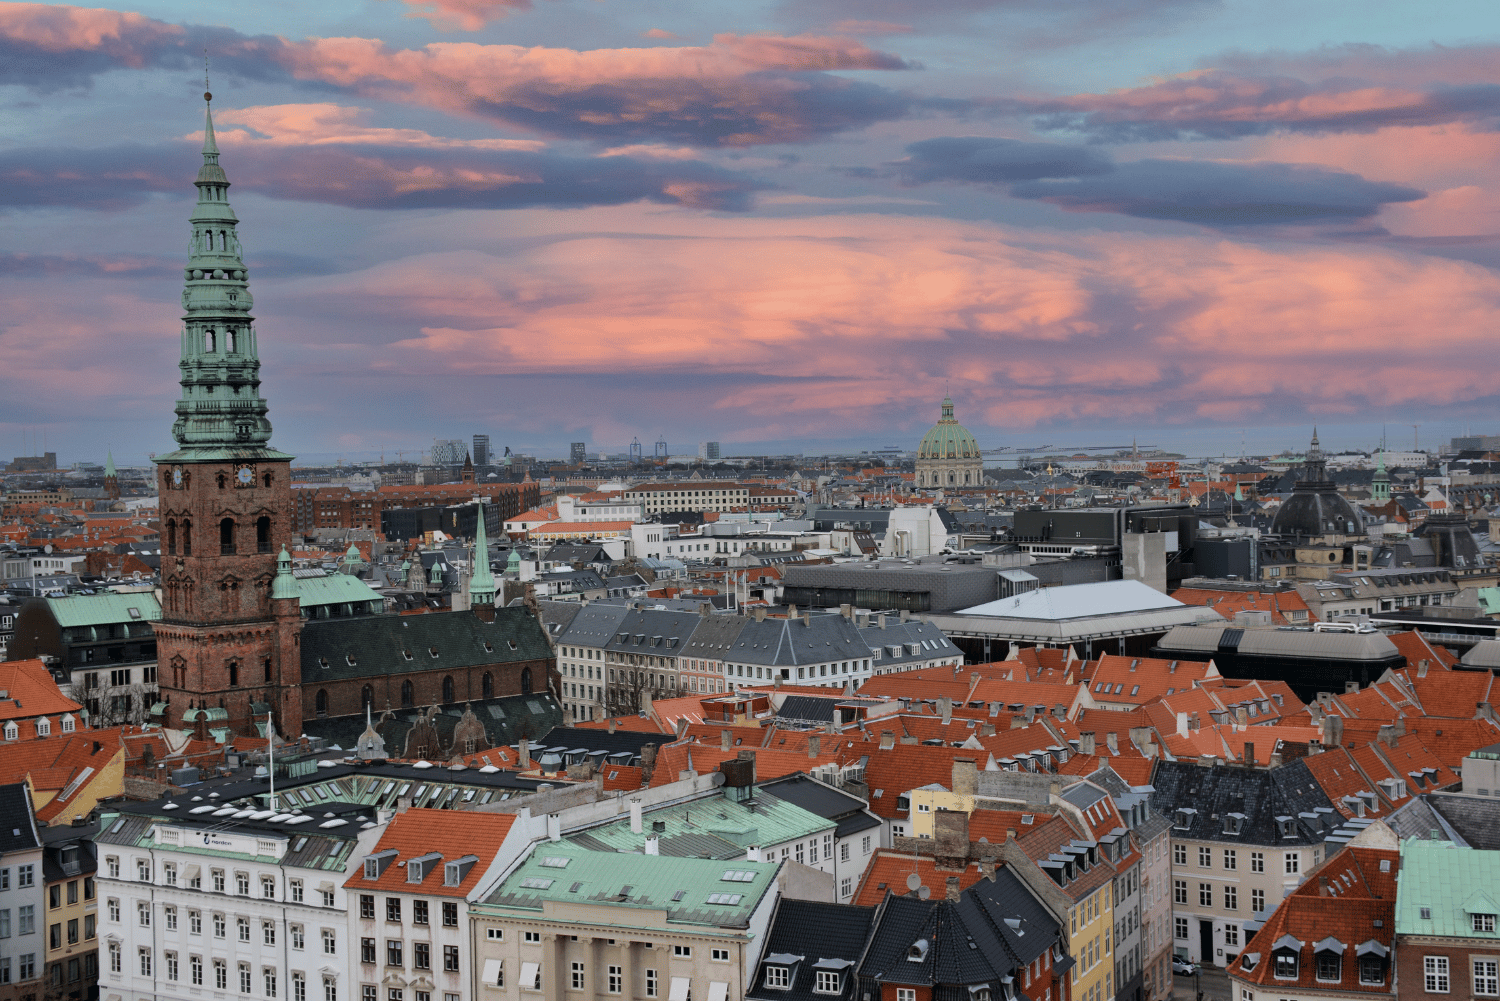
x=221, y=406
x=1380, y=489
x=109, y=464
x=1315, y=464
x=111, y=478
x=947, y=409
x=482, y=583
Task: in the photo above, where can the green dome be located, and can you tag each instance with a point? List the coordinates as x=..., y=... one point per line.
x=948, y=439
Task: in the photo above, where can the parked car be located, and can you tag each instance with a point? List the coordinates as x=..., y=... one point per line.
x=1183, y=966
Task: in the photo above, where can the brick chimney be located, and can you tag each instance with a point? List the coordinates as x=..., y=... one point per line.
x=965, y=777
x=951, y=890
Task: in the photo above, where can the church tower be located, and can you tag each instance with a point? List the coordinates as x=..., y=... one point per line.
x=111, y=477
x=227, y=642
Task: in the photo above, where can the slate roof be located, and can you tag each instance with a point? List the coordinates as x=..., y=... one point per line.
x=593, y=625
x=808, y=709
x=816, y=639
x=926, y=636
x=1261, y=795
x=576, y=738
x=814, y=932
x=505, y=720
x=18, y=831
x=362, y=647
x=824, y=800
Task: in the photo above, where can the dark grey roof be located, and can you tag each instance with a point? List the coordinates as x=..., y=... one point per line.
x=65, y=858
x=1261, y=795
x=575, y=738
x=790, y=642
x=948, y=585
x=377, y=645
x=505, y=720
x=654, y=632
x=815, y=797
x=807, y=709
x=1476, y=820
x=578, y=552
x=814, y=931
x=18, y=828
x=557, y=615
x=594, y=625
x=926, y=636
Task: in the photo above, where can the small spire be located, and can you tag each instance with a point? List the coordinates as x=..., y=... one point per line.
x=209, y=145
x=109, y=463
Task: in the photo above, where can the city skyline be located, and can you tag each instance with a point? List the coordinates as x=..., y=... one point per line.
x=1169, y=222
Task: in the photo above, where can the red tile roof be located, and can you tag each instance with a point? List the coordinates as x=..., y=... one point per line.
x=30, y=692
x=889, y=870
x=454, y=833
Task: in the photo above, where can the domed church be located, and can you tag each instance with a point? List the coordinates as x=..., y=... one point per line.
x=949, y=456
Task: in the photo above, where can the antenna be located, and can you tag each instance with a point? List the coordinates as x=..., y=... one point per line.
x=1414, y=446
x=271, y=756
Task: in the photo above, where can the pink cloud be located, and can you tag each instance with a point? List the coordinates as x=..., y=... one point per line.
x=464, y=15
x=327, y=123
x=658, y=33
x=50, y=28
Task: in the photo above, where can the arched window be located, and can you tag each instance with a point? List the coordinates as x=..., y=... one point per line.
x=226, y=537
x=267, y=666
x=406, y=694
x=526, y=680
x=366, y=696
x=488, y=685
x=229, y=339
x=171, y=538
x=950, y=478
x=266, y=479
x=221, y=480
x=208, y=340
x=187, y=538
x=322, y=702
x=234, y=674
x=448, y=688
x=262, y=534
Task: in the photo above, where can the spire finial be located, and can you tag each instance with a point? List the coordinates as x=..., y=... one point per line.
x=210, y=146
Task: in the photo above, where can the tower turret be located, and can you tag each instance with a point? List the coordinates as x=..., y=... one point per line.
x=482, y=583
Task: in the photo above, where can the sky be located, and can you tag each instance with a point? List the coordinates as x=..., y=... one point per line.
x=785, y=225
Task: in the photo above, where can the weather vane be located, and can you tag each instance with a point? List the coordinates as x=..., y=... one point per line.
x=206, y=95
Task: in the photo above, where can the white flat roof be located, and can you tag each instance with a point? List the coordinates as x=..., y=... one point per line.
x=1077, y=601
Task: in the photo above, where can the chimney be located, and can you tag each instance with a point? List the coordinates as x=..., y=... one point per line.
x=945, y=706
x=1388, y=735
x=887, y=739
x=635, y=816
x=951, y=891
x=905, y=615
x=965, y=779
x=880, y=620
x=752, y=853
x=1249, y=758
x=760, y=613
x=1333, y=731
x=1322, y=886
x=1182, y=726
x=847, y=611
x=1086, y=742
x=705, y=609
x=1485, y=711
x=525, y=754
x=987, y=869
x=653, y=845
x=648, y=762
x=726, y=740
x=1242, y=715
x=807, y=619
x=814, y=746
x=612, y=724
x=554, y=827
x=986, y=729
x=1112, y=740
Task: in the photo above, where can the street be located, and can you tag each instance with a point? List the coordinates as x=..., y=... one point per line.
x=1212, y=981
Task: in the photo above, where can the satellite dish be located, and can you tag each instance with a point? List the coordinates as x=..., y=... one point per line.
x=718, y=779
x=924, y=893
x=913, y=881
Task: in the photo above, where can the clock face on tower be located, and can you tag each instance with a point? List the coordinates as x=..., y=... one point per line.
x=244, y=476
x=177, y=477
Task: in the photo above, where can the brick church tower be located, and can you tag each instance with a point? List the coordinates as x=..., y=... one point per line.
x=227, y=642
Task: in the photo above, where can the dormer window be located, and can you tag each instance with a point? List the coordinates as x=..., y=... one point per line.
x=375, y=865
x=418, y=868
x=1328, y=960
x=827, y=982
x=917, y=951
x=454, y=872
x=1184, y=818
x=779, y=978
x=1482, y=922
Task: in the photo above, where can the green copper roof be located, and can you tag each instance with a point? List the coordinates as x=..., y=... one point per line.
x=690, y=891
x=948, y=439
x=334, y=589
x=1441, y=885
x=104, y=609
x=284, y=585
x=109, y=464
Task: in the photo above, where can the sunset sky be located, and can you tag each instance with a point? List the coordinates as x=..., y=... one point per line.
x=781, y=224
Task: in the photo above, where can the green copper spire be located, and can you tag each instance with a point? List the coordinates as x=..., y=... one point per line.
x=284, y=584
x=1380, y=490
x=221, y=406
x=109, y=464
x=482, y=583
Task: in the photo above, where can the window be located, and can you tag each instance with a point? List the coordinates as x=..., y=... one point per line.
x=143, y=914
x=195, y=970
x=366, y=906
x=1435, y=974
x=268, y=888
x=393, y=908
x=268, y=932
x=844, y=852
x=1205, y=857
x=393, y=952
x=1206, y=894
x=576, y=979
x=299, y=987
x=827, y=982
x=653, y=984
x=864, y=844
x=1486, y=977
x=1231, y=898
x=367, y=950
x=244, y=928
x=1231, y=859
x=906, y=994
x=327, y=897
x=145, y=956
x=221, y=975
x=719, y=955
x=531, y=936
x=369, y=993
x=1180, y=928
x=419, y=912
x=1328, y=966
x=244, y=978
x=170, y=914
x=1293, y=862
x=270, y=981
x=682, y=951
x=450, y=914
x=1370, y=970
x=114, y=910
x=1231, y=934
x=450, y=958
x=421, y=956
x=142, y=872
x=1482, y=922
x=846, y=886
x=1285, y=965
x=1257, y=861
x=1179, y=891
x=169, y=873
x=330, y=942
x=218, y=926
x=1179, y=854
x=114, y=957
x=299, y=940
x=615, y=980
x=1257, y=900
